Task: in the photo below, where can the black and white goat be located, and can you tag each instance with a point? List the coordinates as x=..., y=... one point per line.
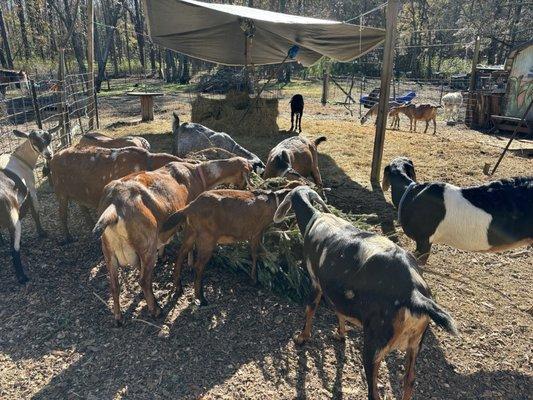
x=369, y=281
x=17, y=189
x=297, y=109
x=491, y=217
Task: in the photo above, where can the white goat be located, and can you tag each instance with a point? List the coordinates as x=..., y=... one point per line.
x=452, y=102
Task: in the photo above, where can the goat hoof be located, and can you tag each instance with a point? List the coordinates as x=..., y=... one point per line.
x=201, y=302
x=178, y=290
x=68, y=240
x=300, y=339
x=157, y=312
x=22, y=279
x=337, y=336
x=119, y=321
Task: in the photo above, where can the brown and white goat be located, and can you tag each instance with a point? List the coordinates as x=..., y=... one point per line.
x=17, y=189
x=294, y=158
x=417, y=112
x=100, y=140
x=80, y=174
x=222, y=217
x=133, y=209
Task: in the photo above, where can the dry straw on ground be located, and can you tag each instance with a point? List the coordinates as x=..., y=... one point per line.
x=237, y=113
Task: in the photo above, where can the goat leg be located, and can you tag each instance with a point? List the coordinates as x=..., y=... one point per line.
x=341, y=330
x=148, y=261
x=63, y=218
x=371, y=361
x=292, y=121
x=34, y=207
x=423, y=248
x=205, y=250
x=114, y=285
x=310, y=309
x=15, y=233
x=409, y=378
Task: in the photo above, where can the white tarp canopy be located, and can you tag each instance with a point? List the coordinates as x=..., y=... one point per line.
x=216, y=33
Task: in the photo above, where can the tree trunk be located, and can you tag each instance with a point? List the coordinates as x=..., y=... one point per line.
x=153, y=66
x=7, y=49
x=185, y=76
x=23, y=32
x=138, y=22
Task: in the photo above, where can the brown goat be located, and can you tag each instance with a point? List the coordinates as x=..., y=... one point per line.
x=417, y=112
x=132, y=210
x=92, y=139
x=222, y=217
x=295, y=157
x=80, y=174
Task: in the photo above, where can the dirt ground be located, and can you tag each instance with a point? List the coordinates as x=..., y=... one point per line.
x=57, y=339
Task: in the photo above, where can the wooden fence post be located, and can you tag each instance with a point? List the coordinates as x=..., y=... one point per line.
x=393, y=7
x=90, y=60
x=36, y=107
x=325, y=83
x=469, y=117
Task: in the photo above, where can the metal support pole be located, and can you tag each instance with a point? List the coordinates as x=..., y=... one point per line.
x=90, y=60
x=393, y=7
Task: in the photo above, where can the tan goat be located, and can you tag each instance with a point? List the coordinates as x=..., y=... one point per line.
x=418, y=112
x=134, y=208
x=222, y=217
x=80, y=174
x=295, y=157
x=92, y=139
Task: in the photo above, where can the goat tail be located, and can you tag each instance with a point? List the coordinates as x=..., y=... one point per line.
x=175, y=220
x=424, y=305
x=320, y=140
x=108, y=217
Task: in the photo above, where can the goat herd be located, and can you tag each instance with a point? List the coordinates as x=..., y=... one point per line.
x=452, y=102
x=143, y=198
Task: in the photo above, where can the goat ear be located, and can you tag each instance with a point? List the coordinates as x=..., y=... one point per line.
x=385, y=184
x=283, y=208
x=315, y=197
x=20, y=134
x=410, y=169
x=285, y=156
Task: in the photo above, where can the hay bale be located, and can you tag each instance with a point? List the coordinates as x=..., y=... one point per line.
x=224, y=115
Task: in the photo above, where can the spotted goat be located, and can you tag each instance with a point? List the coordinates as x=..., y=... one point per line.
x=369, y=281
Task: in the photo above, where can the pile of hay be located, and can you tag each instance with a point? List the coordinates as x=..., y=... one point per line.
x=226, y=115
x=280, y=270
x=224, y=80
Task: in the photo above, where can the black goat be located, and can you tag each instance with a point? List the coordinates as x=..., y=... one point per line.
x=369, y=281
x=492, y=217
x=297, y=108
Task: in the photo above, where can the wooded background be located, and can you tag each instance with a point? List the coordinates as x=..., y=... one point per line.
x=434, y=36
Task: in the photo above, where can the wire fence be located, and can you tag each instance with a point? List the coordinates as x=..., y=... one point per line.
x=60, y=105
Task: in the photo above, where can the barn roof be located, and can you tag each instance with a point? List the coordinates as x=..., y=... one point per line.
x=216, y=33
